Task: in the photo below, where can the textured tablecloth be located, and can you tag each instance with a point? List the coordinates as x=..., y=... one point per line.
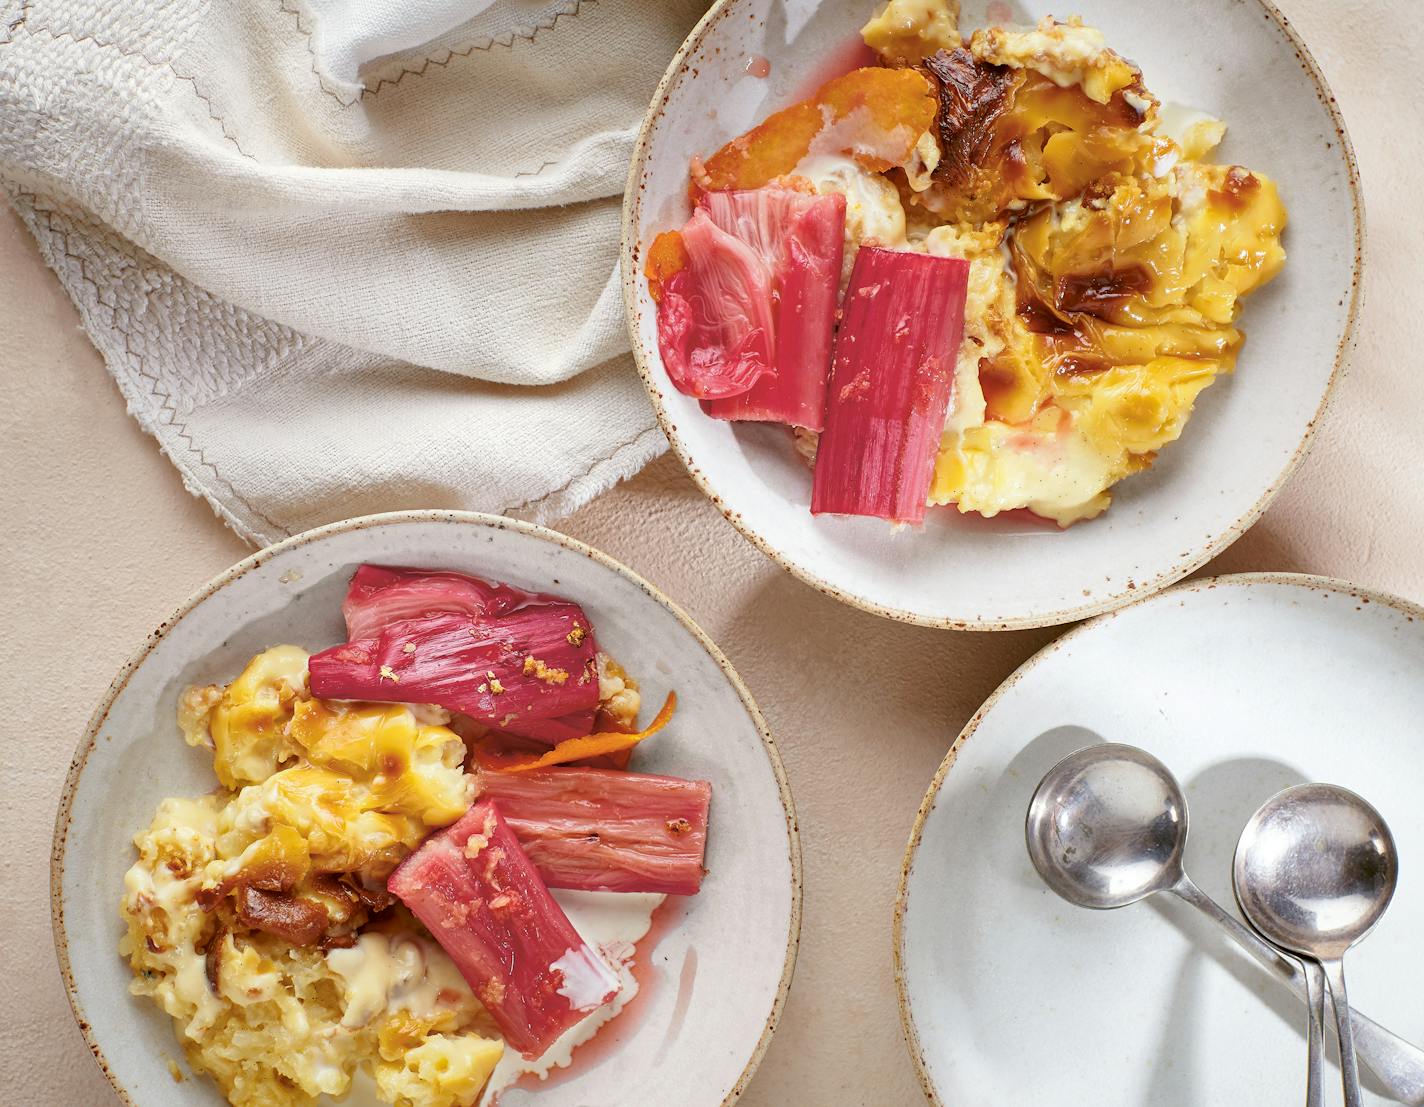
x=100, y=542
x=347, y=255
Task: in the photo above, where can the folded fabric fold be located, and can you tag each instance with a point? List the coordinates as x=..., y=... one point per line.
x=325, y=305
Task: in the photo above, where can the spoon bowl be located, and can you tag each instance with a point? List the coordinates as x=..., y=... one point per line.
x=1315, y=869
x=1107, y=827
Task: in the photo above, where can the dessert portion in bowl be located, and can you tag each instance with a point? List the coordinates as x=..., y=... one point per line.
x=991, y=271
x=426, y=866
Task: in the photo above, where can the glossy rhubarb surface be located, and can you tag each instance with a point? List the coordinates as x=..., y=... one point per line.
x=891, y=380
x=380, y=594
x=482, y=899
x=529, y=671
x=716, y=325
x=799, y=238
x=606, y=830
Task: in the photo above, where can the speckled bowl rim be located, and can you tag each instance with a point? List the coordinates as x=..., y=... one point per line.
x=1310, y=581
x=1132, y=590
x=461, y=518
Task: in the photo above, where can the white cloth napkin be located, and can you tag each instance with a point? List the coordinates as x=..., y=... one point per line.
x=346, y=256
x=347, y=34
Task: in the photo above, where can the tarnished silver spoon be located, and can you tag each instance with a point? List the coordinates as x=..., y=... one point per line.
x=1107, y=827
x=1314, y=871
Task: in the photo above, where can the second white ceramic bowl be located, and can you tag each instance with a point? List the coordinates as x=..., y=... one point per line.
x=715, y=980
x=1238, y=60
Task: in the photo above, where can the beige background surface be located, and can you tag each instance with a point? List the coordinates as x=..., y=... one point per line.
x=100, y=542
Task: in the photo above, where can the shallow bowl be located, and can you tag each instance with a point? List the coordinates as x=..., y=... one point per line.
x=1242, y=686
x=1237, y=59
x=718, y=974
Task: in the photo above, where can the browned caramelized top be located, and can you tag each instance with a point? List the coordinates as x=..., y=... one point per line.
x=299, y=921
x=972, y=98
x=1093, y=292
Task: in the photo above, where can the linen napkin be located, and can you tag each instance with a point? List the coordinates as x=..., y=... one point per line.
x=345, y=256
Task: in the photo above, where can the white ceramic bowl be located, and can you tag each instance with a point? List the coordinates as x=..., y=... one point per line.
x=720, y=972
x=1237, y=59
x=1242, y=686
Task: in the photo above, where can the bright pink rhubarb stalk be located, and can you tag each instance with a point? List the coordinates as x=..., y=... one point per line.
x=891, y=379
x=715, y=323
x=530, y=671
x=379, y=594
x=481, y=898
x=800, y=238
x=605, y=830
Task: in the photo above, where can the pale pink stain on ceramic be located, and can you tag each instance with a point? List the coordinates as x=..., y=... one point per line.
x=998, y=11
x=758, y=66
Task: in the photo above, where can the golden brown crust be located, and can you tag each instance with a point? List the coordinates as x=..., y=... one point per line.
x=1237, y=190
x=299, y=921
x=973, y=96
x=213, y=958
x=1094, y=293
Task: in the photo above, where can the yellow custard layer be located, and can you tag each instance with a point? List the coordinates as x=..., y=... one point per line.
x=312, y=792
x=1108, y=259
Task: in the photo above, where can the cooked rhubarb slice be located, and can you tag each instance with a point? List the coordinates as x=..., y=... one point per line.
x=891, y=378
x=379, y=595
x=530, y=671
x=715, y=326
x=551, y=732
x=481, y=897
x=799, y=238
x=605, y=830
x=609, y=746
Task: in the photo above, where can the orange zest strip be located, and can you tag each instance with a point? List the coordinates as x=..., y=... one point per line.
x=596, y=745
x=881, y=113
x=667, y=256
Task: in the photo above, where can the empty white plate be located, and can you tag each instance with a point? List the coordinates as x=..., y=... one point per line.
x=1242, y=685
x=721, y=968
x=1237, y=59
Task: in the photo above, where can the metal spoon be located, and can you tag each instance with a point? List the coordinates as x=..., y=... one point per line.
x=1107, y=827
x=1315, y=869
x=1315, y=1038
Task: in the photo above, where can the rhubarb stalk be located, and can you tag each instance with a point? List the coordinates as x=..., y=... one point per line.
x=891, y=378
x=482, y=899
x=605, y=830
x=715, y=326
x=800, y=238
x=378, y=595
x=589, y=746
x=530, y=671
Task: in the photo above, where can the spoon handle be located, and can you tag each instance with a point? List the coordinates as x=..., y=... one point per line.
x=1315, y=1002
x=1282, y=966
x=1349, y=1069
x=1398, y=1064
